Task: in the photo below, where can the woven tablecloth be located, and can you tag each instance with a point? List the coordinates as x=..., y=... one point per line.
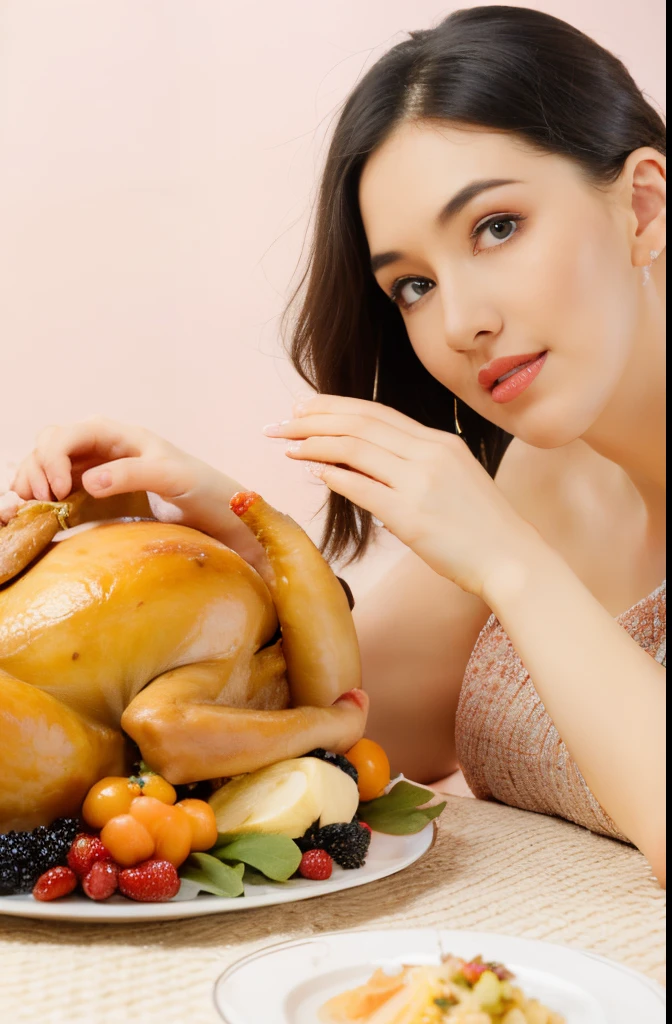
x=492, y=868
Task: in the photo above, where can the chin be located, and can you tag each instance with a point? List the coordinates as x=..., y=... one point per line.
x=547, y=438
x=544, y=427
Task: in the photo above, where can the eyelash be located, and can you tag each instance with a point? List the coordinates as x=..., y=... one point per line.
x=482, y=226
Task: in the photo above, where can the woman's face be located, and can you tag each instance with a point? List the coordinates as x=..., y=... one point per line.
x=504, y=261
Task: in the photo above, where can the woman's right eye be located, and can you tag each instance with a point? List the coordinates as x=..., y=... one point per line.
x=407, y=290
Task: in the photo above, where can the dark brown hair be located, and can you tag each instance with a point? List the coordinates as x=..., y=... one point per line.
x=504, y=68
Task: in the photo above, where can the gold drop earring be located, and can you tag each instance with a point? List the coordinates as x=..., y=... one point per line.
x=458, y=426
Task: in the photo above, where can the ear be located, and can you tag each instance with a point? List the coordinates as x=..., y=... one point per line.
x=644, y=180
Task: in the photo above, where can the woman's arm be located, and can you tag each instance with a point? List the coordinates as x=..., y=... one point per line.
x=605, y=695
x=416, y=631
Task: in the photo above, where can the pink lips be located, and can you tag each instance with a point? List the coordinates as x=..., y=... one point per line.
x=518, y=371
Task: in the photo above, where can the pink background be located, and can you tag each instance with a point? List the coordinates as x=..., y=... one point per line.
x=157, y=160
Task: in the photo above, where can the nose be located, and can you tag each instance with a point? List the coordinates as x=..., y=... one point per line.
x=469, y=316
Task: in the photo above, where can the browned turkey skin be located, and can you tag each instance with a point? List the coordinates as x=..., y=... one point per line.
x=159, y=633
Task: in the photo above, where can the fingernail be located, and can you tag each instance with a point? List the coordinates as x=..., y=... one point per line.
x=58, y=486
x=101, y=481
x=272, y=429
x=316, y=468
x=293, y=447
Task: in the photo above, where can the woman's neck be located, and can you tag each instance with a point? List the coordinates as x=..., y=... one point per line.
x=631, y=430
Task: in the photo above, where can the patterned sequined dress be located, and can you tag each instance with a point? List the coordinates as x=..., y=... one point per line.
x=508, y=748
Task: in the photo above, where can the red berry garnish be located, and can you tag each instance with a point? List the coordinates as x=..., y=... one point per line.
x=316, y=865
x=153, y=881
x=102, y=880
x=84, y=853
x=54, y=883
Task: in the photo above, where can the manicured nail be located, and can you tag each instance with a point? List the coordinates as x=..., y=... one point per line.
x=293, y=447
x=101, y=481
x=315, y=468
x=273, y=429
x=58, y=486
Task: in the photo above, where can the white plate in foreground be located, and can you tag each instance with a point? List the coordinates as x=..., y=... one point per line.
x=286, y=984
x=387, y=855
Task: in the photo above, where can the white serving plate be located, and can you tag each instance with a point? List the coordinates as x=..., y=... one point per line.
x=387, y=855
x=287, y=983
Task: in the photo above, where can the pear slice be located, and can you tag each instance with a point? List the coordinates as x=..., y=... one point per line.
x=285, y=798
x=339, y=796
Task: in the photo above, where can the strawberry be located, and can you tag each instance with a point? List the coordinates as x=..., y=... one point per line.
x=316, y=865
x=54, y=883
x=84, y=853
x=153, y=881
x=102, y=880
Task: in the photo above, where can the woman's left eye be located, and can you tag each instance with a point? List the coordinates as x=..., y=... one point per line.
x=495, y=230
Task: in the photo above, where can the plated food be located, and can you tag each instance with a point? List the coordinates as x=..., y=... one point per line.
x=456, y=991
x=292, y=982
x=148, y=642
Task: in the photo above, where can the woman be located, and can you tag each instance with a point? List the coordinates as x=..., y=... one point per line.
x=487, y=263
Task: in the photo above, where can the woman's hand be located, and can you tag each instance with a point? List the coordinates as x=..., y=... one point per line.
x=109, y=458
x=423, y=484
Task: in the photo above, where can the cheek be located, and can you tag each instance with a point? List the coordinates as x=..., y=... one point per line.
x=586, y=295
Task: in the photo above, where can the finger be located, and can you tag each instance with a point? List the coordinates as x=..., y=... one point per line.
x=79, y=466
x=354, y=453
x=57, y=470
x=95, y=439
x=99, y=435
x=34, y=483
x=20, y=484
x=123, y=476
x=375, y=497
x=393, y=438
x=321, y=405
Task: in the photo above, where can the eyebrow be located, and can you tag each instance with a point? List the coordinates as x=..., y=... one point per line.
x=447, y=212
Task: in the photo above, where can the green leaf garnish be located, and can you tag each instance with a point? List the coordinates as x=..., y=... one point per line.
x=275, y=856
x=212, y=876
x=254, y=877
x=400, y=812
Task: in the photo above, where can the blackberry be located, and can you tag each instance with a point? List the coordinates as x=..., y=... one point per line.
x=347, y=843
x=24, y=856
x=9, y=878
x=306, y=841
x=338, y=760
